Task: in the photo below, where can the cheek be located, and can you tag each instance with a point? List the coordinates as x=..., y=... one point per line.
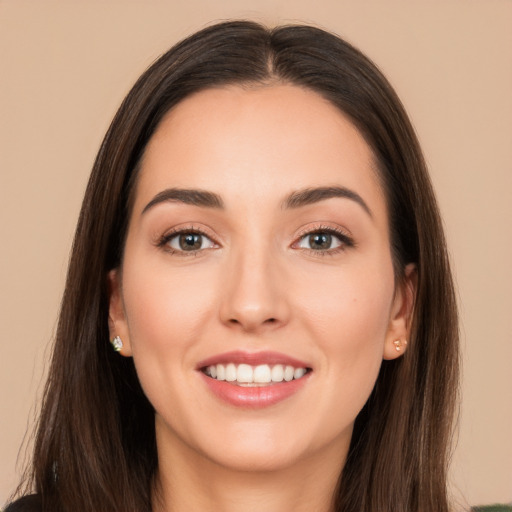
x=349, y=304
x=166, y=310
x=347, y=313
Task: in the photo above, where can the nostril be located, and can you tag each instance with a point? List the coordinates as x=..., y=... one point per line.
x=268, y=321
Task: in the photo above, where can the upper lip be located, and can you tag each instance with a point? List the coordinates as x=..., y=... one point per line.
x=252, y=358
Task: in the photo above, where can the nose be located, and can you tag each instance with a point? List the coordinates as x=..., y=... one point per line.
x=254, y=298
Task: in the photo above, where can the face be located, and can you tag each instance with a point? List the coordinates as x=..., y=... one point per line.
x=256, y=293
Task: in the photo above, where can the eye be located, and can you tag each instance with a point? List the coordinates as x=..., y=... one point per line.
x=320, y=241
x=324, y=240
x=187, y=241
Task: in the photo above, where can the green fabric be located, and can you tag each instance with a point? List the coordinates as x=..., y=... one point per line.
x=493, y=508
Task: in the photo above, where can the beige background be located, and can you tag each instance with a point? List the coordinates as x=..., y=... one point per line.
x=64, y=68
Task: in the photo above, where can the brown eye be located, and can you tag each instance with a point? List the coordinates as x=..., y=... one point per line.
x=189, y=242
x=320, y=241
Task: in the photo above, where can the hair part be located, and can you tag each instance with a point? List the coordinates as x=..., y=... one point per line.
x=95, y=446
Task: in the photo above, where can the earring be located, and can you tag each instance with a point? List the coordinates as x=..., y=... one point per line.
x=117, y=344
x=398, y=344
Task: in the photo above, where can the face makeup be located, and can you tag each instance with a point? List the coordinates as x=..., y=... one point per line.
x=257, y=295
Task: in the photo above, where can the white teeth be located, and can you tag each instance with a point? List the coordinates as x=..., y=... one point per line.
x=298, y=373
x=221, y=372
x=261, y=374
x=288, y=373
x=278, y=373
x=244, y=373
x=230, y=372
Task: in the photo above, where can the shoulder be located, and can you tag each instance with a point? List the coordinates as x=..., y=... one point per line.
x=30, y=503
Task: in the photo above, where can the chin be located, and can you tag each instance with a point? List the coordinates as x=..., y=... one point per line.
x=264, y=447
x=257, y=458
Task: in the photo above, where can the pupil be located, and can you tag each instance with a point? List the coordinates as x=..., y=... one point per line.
x=191, y=241
x=320, y=241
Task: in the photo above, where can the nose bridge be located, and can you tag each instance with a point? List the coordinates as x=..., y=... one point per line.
x=253, y=298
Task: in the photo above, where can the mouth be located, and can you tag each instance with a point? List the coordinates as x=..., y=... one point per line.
x=247, y=375
x=254, y=380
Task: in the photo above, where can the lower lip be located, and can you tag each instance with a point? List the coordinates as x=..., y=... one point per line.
x=254, y=397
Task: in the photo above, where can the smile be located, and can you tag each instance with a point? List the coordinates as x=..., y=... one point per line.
x=248, y=375
x=254, y=380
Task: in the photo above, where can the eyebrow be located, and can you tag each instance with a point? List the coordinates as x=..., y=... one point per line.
x=308, y=196
x=296, y=199
x=193, y=197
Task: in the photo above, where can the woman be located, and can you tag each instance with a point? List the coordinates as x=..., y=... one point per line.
x=260, y=242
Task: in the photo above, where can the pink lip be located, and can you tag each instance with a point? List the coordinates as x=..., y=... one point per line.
x=258, y=396
x=252, y=358
x=254, y=397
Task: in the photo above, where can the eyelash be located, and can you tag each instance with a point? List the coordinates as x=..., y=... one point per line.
x=345, y=240
x=163, y=242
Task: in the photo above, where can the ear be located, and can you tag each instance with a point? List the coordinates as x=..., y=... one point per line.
x=117, y=324
x=402, y=310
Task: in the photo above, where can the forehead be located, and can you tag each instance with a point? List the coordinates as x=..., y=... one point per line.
x=257, y=142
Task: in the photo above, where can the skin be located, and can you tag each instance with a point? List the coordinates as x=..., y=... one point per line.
x=257, y=284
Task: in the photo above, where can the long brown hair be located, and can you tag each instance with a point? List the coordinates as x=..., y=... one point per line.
x=95, y=445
